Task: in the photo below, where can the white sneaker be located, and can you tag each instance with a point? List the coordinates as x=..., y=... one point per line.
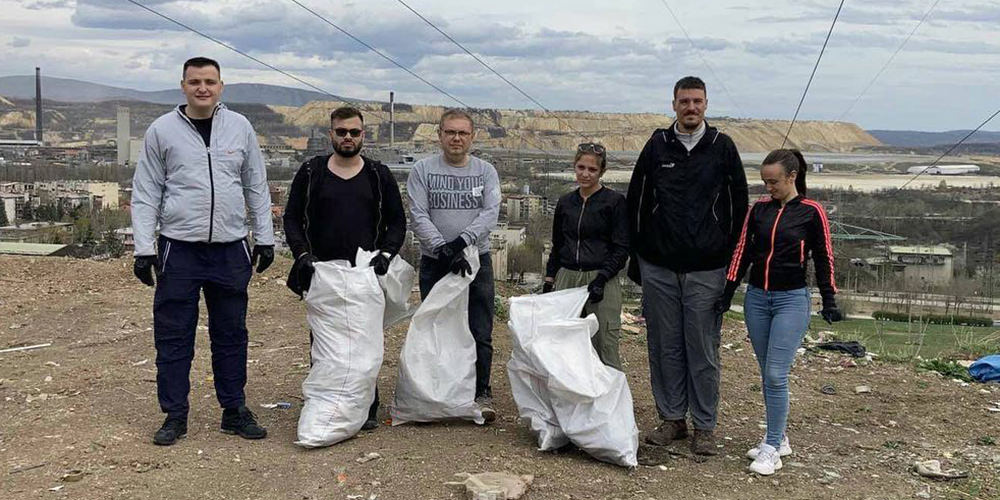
x=783, y=449
x=767, y=462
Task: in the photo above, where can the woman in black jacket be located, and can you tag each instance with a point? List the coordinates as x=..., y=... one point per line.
x=590, y=247
x=780, y=232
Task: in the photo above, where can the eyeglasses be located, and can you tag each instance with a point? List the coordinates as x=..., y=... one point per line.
x=460, y=133
x=591, y=147
x=342, y=132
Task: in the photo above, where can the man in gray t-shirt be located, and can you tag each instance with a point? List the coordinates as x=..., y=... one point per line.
x=454, y=203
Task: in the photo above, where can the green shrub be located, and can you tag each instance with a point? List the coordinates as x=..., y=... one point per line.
x=934, y=319
x=949, y=369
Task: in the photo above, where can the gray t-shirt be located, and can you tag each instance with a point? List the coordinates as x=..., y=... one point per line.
x=690, y=140
x=447, y=202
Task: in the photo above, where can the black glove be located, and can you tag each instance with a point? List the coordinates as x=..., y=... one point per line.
x=726, y=300
x=380, y=263
x=596, y=289
x=301, y=274
x=262, y=257
x=548, y=286
x=461, y=266
x=831, y=314
x=449, y=250
x=143, y=268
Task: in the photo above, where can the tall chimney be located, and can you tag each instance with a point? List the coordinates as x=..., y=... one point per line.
x=124, y=136
x=38, y=105
x=392, y=118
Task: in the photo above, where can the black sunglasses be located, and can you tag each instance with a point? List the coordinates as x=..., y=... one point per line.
x=591, y=147
x=342, y=132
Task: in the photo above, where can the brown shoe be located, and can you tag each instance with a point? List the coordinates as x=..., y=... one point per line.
x=667, y=431
x=704, y=443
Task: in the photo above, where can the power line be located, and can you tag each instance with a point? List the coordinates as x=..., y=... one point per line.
x=408, y=70
x=495, y=72
x=888, y=62
x=702, y=57
x=946, y=153
x=815, y=67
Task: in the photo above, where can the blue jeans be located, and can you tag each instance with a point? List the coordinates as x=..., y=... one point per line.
x=776, y=321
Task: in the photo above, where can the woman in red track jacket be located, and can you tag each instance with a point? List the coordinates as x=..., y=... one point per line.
x=781, y=231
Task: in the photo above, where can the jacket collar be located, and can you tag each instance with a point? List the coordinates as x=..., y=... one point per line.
x=669, y=135
x=180, y=110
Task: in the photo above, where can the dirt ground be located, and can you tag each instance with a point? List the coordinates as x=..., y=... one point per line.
x=88, y=404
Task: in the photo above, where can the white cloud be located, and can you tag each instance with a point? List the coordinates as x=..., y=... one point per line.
x=608, y=56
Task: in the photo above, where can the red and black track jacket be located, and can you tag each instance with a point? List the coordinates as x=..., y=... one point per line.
x=776, y=242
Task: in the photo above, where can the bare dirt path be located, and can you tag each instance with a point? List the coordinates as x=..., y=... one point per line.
x=88, y=404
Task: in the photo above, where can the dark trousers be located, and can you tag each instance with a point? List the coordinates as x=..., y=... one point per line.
x=373, y=409
x=185, y=270
x=481, y=309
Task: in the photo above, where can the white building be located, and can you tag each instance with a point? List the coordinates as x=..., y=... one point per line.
x=943, y=169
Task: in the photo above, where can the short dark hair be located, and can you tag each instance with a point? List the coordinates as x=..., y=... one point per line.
x=345, y=112
x=689, y=82
x=200, y=62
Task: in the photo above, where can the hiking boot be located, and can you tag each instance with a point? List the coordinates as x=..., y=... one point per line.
x=486, y=407
x=704, y=443
x=667, y=431
x=784, y=449
x=767, y=462
x=242, y=422
x=370, y=425
x=173, y=428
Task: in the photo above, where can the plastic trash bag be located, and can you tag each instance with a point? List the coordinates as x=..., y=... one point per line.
x=397, y=284
x=344, y=308
x=559, y=383
x=437, y=365
x=986, y=368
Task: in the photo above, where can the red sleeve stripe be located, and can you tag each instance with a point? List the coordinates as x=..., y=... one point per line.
x=826, y=237
x=734, y=264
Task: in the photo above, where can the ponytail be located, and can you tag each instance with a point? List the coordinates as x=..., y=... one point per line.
x=800, y=178
x=791, y=160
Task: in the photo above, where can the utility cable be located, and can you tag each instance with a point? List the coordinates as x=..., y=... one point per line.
x=815, y=67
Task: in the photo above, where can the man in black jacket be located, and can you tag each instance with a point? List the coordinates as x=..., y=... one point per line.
x=686, y=200
x=339, y=203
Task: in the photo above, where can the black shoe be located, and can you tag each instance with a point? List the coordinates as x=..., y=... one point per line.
x=242, y=422
x=370, y=425
x=173, y=429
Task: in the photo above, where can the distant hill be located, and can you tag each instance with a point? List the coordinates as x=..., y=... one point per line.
x=917, y=139
x=69, y=90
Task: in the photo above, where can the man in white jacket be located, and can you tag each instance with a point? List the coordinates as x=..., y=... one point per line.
x=199, y=172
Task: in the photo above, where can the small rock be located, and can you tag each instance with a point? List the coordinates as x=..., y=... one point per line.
x=72, y=476
x=499, y=485
x=368, y=458
x=862, y=389
x=922, y=494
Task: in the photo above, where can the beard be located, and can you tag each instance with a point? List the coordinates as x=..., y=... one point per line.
x=348, y=153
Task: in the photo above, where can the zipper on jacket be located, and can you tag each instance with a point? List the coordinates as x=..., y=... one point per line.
x=378, y=221
x=714, y=202
x=211, y=185
x=579, y=222
x=767, y=263
x=638, y=213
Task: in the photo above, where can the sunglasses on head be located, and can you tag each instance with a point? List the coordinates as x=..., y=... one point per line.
x=342, y=132
x=591, y=147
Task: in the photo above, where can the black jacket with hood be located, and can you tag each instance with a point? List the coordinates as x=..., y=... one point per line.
x=391, y=225
x=685, y=207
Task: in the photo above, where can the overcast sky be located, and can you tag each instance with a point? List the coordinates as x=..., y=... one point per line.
x=568, y=54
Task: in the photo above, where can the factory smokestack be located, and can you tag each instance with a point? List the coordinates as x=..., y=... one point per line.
x=38, y=105
x=392, y=119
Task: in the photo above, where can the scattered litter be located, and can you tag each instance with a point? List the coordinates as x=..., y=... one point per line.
x=72, y=476
x=932, y=469
x=862, y=389
x=854, y=348
x=57, y=488
x=493, y=485
x=48, y=378
x=727, y=346
x=25, y=468
x=52, y=363
x=848, y=363
x=828, y=389
x=280, y=405
x=140, y=363
x=24, y=348
x=635, y=330
x=368, y=458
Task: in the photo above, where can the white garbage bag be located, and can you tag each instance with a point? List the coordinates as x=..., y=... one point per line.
x=344, y=308
x=560, y=384
x=437, y=365
x=397, y=285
